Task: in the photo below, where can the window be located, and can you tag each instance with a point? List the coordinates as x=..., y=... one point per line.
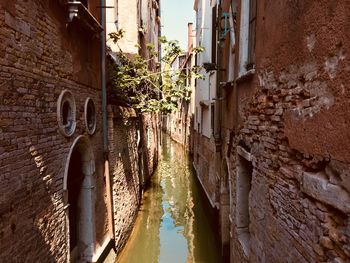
x=201, y=131
x=90, y=116
x=252, y=34
x=247, y=36
x=199, y=16
x=232, y=53
x=213, y=36
x=212, y=119
x=116, y=14
x=66, y=113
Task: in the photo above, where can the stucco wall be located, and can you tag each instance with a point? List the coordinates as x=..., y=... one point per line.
x=126, y=15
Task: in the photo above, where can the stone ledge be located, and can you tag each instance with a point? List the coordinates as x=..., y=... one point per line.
x=244, y=240
x=318, y=186
x=246, y=75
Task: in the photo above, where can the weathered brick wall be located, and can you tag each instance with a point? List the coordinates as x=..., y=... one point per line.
x=124, y=163
x=293, y=127
x=150, y=138
x=40, y=57
x=132, y=160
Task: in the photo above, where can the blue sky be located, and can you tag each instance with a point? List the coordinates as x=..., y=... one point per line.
x=176, y=14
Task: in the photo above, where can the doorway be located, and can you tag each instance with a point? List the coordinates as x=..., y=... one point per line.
x=79, y=193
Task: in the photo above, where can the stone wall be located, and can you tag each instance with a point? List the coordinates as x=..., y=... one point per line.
x=292, y=138
x=133, y=144
x=39, y=58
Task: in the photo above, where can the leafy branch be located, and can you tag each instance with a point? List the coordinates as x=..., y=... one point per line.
x=137, y=83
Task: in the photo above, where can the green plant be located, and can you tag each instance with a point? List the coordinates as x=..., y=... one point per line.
x=135, y=81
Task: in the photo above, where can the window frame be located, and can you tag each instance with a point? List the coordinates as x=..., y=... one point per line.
x=252, y=34
x=247, y=37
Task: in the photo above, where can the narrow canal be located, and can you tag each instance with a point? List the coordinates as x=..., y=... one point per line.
x=174, y=223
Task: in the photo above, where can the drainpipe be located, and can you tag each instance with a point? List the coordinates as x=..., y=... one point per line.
x=104, y=121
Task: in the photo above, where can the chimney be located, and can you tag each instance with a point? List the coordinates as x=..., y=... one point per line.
x=190, y=39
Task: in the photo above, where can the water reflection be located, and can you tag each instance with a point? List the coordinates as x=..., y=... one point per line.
x=173, y=223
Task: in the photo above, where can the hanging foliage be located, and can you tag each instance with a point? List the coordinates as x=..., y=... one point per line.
x=136, y=83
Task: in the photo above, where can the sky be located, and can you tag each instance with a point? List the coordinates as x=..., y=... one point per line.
x=176, y=14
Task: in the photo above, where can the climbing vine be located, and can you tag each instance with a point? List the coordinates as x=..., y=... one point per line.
x=135, y=82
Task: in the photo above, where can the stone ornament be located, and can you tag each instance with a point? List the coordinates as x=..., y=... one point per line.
x=90, y=116
x=66, y=113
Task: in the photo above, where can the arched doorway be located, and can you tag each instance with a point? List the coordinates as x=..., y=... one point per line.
x=224, y=212
x=79, y=198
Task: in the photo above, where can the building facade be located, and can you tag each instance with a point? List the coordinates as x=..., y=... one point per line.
x=283, y=69
x=65, y=158
x=51, y=138
x=204, y=145
x=178, y=124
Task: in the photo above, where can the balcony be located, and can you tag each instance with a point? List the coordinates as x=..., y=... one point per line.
x=77, y=11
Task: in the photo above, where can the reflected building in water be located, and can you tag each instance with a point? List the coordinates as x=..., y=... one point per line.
x=172, y=217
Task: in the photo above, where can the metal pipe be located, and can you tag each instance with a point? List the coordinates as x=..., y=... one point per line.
x=104, y=120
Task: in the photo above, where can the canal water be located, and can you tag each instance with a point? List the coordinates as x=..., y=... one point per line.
x=174, y=224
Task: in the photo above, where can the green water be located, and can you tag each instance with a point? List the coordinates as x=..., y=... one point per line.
x=175, y=223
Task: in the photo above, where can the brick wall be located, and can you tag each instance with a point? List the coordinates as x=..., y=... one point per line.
x=124, y=168
x=150, y=138
x=40, y=57
x=132, y=160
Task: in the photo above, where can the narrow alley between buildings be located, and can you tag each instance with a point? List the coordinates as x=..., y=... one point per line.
x=174, y=131
x=173, y=215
